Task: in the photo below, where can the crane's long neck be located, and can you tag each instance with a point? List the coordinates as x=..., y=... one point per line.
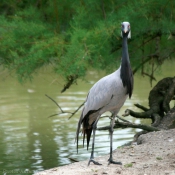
x=126, y=72
x=125, y=55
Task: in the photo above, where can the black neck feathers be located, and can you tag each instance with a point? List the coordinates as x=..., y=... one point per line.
x=126, y=72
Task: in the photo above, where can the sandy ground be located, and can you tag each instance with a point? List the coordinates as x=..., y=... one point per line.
x=153, y=154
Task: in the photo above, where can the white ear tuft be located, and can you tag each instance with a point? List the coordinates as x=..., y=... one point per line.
x=129, y=35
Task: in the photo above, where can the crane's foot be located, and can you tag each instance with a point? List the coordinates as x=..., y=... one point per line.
x=110, y=160
x=95, y=162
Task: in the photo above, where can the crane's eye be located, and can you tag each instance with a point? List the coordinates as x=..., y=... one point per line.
x=128, y=26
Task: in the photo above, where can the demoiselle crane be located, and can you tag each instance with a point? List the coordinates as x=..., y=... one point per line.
x=108, y=94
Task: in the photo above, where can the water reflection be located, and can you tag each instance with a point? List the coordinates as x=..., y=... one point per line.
x=30, y=141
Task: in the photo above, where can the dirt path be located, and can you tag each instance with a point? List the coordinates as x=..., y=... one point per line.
x=154, y=155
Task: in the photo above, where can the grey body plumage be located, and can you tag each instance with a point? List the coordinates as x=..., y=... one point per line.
x=108, y=94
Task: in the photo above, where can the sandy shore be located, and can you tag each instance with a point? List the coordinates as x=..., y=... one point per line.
x=154, y=154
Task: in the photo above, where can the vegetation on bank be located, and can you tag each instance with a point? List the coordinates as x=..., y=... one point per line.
x=73, y=36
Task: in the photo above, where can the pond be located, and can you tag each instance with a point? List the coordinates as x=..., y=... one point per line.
x=32, y=141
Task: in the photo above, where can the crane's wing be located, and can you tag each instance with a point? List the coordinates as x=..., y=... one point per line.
x=98, y=97
x=102, y=92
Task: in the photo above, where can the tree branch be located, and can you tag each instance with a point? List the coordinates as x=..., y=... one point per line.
x=131, y=125
x=169, y=96
x=55, y=103
x=62, y=111
x=70, y=80
x=141, y=107
x=73, y=113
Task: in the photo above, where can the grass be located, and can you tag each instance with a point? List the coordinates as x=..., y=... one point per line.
x=128, y=165
x=158, y=158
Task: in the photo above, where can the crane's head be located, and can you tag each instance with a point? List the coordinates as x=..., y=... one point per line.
x=126, y=29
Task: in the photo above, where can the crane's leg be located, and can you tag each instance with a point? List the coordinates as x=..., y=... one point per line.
x=93, y=142
x=110, y=160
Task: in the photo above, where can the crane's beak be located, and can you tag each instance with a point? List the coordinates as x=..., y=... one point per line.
x=125, y=31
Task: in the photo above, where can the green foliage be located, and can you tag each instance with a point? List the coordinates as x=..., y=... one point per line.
x=128, y=165
x=74, y=36
x=158, y=158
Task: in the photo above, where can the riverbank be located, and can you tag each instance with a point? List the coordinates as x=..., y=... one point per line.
x=153, y=154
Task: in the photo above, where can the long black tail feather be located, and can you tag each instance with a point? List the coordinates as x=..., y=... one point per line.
x=88, y=133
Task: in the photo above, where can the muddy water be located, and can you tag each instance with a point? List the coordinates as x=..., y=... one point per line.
x=30, y=141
